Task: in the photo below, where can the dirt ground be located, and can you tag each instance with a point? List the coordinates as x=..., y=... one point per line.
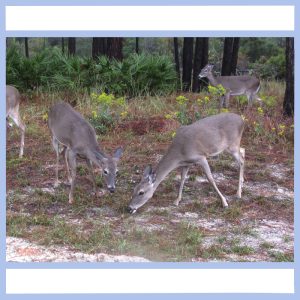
x=43, y=226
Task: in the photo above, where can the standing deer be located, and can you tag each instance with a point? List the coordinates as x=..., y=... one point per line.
x=234, y=85
x=191, y=146
x=13, y=100
x=78, y=138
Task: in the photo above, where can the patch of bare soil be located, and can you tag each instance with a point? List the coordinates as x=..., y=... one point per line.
x=258, y=227
x=20, y=250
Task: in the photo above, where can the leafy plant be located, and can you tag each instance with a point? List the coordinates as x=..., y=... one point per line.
x=109, y=110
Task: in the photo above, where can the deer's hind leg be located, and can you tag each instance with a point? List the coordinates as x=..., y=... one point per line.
x=15, y=116
x=65, y=153
x=239, y=155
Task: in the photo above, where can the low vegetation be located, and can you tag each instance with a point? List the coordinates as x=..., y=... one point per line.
x=199, y=229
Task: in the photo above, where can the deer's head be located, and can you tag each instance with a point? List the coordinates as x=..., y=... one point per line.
x=206, y=71
x=109, y=166
x=143, y=191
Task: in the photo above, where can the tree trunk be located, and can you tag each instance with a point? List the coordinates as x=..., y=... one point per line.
x=98, y=47
x=63, y=45
x=137, y=45
x=26, y=47
x=200, y=60
x=187, y=63
x=234, y=56
x=71, y=46
x=176, y=58
x=114, y=48
x=227, y=54
x=288, y=103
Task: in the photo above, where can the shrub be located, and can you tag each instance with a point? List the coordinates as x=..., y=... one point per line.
x=137, y=75
x=109, y=110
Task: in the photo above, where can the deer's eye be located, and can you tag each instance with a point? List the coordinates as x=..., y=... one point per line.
x=141, y=193
x=105, y=172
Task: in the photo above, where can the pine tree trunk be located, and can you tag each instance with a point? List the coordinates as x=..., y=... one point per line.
x=71, y=46
x=234, y=56
x=176, y=58
x=26, y=48
x=200, y=60
x=227, y=54
x=288, y=103
x=114, y=48
x=98, y=47
x=63, y=45
x=137, y=45
x=187, y=63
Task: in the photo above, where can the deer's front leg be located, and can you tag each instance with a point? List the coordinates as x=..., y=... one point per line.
x=72, y=164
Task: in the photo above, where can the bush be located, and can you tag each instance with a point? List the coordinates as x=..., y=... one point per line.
x=109, y=110
x=137, y=75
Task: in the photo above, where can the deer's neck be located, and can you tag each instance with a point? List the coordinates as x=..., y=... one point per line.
x=212, y=79
x=164, y=167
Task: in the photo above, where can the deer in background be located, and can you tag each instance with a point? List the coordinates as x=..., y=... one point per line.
x=234, y=85
x=191, y=146
x=78, y=138
x=13, y=100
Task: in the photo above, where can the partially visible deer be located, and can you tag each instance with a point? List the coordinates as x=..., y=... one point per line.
x=13, y=100
x=78, y=138
x=234, y=85
x=191, y=146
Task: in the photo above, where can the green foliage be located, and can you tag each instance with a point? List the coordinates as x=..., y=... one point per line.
x=255, y=48
x=142, y=74
x=269, y=101
x=270, y=67
x=109, y=110
x=218, y=90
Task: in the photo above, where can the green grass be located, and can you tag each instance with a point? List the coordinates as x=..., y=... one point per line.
x=159, y=231
x=281, y=256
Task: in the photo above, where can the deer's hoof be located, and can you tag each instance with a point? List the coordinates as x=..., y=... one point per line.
x=71, y=200
x=176, y=202
x=57, y=183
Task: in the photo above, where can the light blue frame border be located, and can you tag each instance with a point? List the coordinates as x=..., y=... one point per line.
x=268, y=265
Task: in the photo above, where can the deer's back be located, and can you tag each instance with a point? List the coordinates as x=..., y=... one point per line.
x=70, y=128
x=239, y=82
x=12, y=98
x=209, y=136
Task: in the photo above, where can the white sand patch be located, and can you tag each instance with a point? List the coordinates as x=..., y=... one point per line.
x=20, y=250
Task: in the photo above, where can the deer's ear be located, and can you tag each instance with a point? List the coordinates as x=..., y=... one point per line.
x=100, y=156
x=118, y=153
x=149, y=174
x=152, y=178
x=147, y=171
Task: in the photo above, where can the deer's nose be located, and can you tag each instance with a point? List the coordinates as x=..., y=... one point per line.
x=131, y=210
x=111, y=188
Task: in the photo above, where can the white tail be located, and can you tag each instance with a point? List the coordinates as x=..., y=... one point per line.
x=191, y=146
x=78, y=138
x=13, y=99
x=234, y=85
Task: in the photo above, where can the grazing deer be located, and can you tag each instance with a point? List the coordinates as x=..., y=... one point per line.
x=78, y=138
x=234, y=85
x=13, y=100
x=191, y=146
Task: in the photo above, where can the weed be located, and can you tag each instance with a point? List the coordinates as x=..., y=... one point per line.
x=282, y=256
